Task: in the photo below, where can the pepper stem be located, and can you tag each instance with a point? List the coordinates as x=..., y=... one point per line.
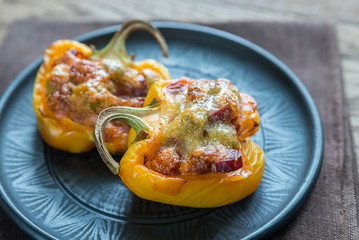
x=116, y=48
x=128, y=115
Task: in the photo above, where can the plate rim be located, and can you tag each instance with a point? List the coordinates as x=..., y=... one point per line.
x=295, y=202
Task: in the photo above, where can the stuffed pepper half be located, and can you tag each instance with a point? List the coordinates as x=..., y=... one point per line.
x=190, y=145
x=75, y=83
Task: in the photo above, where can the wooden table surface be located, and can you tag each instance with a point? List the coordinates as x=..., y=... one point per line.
x=343, y=13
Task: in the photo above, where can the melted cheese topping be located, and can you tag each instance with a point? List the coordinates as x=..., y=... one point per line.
x=80, y=88
x=198, y=128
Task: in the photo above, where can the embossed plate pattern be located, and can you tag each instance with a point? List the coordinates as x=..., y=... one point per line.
x=53, y=194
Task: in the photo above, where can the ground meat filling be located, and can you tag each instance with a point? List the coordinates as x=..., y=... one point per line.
x=212, y=159
x=167, y=162
x=80, y=89
x=200, y=136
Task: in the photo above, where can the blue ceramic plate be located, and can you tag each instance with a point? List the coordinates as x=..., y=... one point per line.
x=53, y=194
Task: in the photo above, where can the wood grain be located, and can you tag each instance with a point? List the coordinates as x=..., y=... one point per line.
x=344, y=14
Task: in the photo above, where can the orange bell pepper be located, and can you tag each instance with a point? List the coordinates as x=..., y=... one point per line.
x=75, y=82
x=198, y=121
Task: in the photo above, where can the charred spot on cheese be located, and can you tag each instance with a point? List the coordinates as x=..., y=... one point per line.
x=197, y=132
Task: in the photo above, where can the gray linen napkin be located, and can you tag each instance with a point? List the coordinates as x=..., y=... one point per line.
x=310, y=50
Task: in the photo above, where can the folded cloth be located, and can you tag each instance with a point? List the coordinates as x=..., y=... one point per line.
x=310, y=50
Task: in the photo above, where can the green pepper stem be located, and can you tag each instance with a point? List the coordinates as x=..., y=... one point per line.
x=128, y=115
x=116, y=48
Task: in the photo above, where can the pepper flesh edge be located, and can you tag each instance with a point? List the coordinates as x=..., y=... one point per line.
x=201, y=191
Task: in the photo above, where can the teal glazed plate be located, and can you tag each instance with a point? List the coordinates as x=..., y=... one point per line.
x=58, y=195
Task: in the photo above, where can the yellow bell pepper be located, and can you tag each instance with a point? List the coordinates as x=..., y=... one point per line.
x=58, y=123
x=171, y=108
